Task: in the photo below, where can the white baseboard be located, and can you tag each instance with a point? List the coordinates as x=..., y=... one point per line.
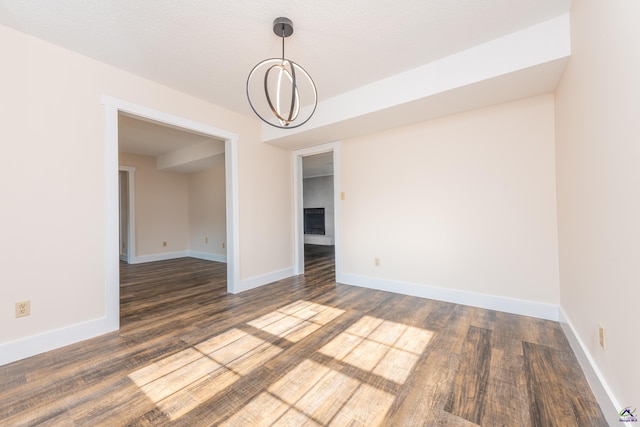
x=30, y=346
x=208, y=256
x=265, y=279
x=158, y=257
x=492, y=302
x=607, y=401
x=180, y=254
x=47, y=341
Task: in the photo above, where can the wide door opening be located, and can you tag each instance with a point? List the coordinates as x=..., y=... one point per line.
x=220, y=148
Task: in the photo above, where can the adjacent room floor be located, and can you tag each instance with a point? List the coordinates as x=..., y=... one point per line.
x=302, y=351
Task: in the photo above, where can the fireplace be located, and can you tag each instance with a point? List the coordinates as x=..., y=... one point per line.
x=314, y=221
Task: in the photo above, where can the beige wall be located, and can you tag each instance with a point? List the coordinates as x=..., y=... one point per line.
x=53, y=189
x=207, y=225
x=598, y=154
x=161, y=207
x=465, y=202
x=178, y=208
x=266, y=214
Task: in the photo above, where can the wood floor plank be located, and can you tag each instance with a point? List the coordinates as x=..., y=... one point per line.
x=552, y=387
x=419, y=403
x=470, y=385
x=302, y=351
x=447, y=419
x=506, y=392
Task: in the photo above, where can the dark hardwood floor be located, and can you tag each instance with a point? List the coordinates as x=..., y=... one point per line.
x=302, y=351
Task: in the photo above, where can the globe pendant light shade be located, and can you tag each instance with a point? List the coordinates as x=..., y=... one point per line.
x=281, y=92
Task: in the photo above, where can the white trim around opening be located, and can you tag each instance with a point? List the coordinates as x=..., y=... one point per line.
x=333, y=147
x=112, y=107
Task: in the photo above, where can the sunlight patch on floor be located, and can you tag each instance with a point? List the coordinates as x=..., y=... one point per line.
x=385, y=348
x=297, y=320
x=179, y=383
x=313, y=394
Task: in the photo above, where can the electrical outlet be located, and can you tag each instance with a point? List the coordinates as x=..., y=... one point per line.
x=23, y=308
x=222, y=245
x=601, y=335
x=164, y=244
x=206, y=240
x=376, y=262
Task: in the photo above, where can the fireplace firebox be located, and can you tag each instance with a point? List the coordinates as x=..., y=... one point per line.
x=314, y=221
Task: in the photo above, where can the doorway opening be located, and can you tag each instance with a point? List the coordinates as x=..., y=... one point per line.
x=113, y=109
x=316, y=198
x=179, y=193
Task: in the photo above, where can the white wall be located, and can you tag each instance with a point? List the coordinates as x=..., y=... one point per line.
x=598, y=155
x=266, y=212
x=161, y=207
x=207, y=224
x=464, y=203
x=185, y=210
x=53, y=130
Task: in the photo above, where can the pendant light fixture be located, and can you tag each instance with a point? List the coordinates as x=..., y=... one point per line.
x=280, y=91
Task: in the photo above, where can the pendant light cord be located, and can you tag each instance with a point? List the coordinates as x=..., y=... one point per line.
x=283, y=36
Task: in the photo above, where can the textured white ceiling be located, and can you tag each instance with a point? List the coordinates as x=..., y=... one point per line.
x=149, y=138
x=206, y=48
x=317, y=165
x=134, y=136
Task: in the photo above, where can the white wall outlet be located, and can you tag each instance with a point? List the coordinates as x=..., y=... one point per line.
x=164, y=244
x=222, y=245
x=376, y=262
x=602, y=337
x=206, y=240
x=23, y=308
